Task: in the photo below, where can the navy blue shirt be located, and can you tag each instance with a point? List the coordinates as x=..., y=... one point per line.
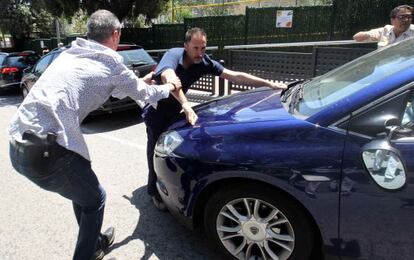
x=173, y=59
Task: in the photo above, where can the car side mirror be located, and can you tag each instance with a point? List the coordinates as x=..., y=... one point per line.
x=384, y=164
x=27, y=70
x=395, y=129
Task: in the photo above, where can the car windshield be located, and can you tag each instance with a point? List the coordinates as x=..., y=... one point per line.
x=354, y=76
x=136, y=56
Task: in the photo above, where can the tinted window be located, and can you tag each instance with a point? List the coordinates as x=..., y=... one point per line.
x=136, y=56
x=42, y=64
x=21, y=60
x=2, y=59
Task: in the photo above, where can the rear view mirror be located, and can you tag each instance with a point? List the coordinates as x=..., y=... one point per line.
x=384, y=164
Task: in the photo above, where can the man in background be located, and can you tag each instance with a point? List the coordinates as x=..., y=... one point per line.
x=400, y=28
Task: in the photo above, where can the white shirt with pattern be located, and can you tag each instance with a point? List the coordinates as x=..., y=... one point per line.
x=386, y=36
x=80, y=80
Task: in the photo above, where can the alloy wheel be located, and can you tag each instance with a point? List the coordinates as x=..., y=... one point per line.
x=251, y=228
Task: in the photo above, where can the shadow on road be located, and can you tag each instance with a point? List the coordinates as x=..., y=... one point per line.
x=110, y=122
x=162, y=235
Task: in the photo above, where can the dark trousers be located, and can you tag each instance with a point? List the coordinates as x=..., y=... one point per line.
x=70, y=175
x=156, y=123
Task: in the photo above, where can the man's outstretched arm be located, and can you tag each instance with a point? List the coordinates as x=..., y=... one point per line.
x=243, y=78
x=169, y=75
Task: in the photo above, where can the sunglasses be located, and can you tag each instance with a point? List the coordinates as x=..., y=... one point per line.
x=404, y=17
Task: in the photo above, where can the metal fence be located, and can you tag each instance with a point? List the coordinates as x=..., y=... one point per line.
x=280, y=66
x=340, y=20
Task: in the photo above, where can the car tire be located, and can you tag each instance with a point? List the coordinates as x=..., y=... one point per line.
x=277, y=227
x=25, y=91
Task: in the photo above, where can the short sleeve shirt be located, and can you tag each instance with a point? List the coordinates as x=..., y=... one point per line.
x=173, y=59
x=385, y=35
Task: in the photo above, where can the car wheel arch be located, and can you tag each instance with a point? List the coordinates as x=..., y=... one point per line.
x=202, y=197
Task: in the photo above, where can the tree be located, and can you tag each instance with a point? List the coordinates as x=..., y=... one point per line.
x=20, y=18
x=121, y=8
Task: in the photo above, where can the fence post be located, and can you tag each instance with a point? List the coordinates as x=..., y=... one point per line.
x=221, y=90
x=332, y=19
x=246, y=25
x=314, y=61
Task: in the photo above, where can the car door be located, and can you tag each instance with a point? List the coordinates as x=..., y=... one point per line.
x=376, y=218
x=38, y=69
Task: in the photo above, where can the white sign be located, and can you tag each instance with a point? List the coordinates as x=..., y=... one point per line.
x=284, y=18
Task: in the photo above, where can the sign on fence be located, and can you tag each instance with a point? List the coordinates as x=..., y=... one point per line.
x=284, y=18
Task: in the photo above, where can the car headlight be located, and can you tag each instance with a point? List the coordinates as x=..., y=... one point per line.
x=167, y=143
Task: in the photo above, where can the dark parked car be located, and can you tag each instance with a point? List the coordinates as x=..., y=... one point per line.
x=12, y=66
x=323, y=170
x=135, y=58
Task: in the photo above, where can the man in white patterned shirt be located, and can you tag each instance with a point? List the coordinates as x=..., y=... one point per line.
x=46, y=143
x=400, y=28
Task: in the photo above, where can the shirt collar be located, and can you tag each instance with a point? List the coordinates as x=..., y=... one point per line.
x=181, y=61
x=88, y=45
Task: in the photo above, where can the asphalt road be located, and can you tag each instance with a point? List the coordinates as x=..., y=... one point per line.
x=36, y=224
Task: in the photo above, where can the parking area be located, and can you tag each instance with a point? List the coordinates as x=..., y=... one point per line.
x=35, y=224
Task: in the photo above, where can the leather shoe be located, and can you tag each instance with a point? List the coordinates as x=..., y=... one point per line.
x=158, y=203
x=107, y=239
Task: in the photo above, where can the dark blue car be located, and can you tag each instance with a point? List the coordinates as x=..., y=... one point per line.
x=323, y=170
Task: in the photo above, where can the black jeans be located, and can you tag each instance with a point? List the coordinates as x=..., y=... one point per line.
x=156, y=123
x=62, y=171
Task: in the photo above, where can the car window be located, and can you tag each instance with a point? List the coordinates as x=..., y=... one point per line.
x=136, y=56
x=408, y=116
x=394, y=110
x=42, y=64
x=55, y=55
x=2, y=58
x=344, y=81
x=21, y=60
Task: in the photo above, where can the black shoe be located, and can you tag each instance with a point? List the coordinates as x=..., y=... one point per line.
x=99, y=254
x=158, y=203
x=107, y=238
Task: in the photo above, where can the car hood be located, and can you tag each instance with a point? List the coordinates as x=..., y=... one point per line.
x=261, y=104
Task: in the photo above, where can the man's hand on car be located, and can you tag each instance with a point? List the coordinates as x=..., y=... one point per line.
x=191, y=116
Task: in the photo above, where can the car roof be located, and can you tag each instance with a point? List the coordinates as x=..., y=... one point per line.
x=22, y=53
x=128, y=46
x=121, y=47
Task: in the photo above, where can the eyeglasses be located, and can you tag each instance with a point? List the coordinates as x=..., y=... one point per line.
x=404, y=17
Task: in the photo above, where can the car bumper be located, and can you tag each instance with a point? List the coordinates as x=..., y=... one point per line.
x=175, y=189
x=6, y=85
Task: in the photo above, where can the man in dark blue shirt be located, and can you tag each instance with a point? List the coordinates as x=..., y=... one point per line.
x=189, y=64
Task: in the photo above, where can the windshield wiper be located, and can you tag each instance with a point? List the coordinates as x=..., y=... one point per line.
x=291, y=89
x=139, y=64
x=296, y=97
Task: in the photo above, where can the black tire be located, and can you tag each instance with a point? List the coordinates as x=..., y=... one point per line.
x=25, y=91
x=266, y=197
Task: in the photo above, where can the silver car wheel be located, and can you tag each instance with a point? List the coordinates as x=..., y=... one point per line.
x=254, y=229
